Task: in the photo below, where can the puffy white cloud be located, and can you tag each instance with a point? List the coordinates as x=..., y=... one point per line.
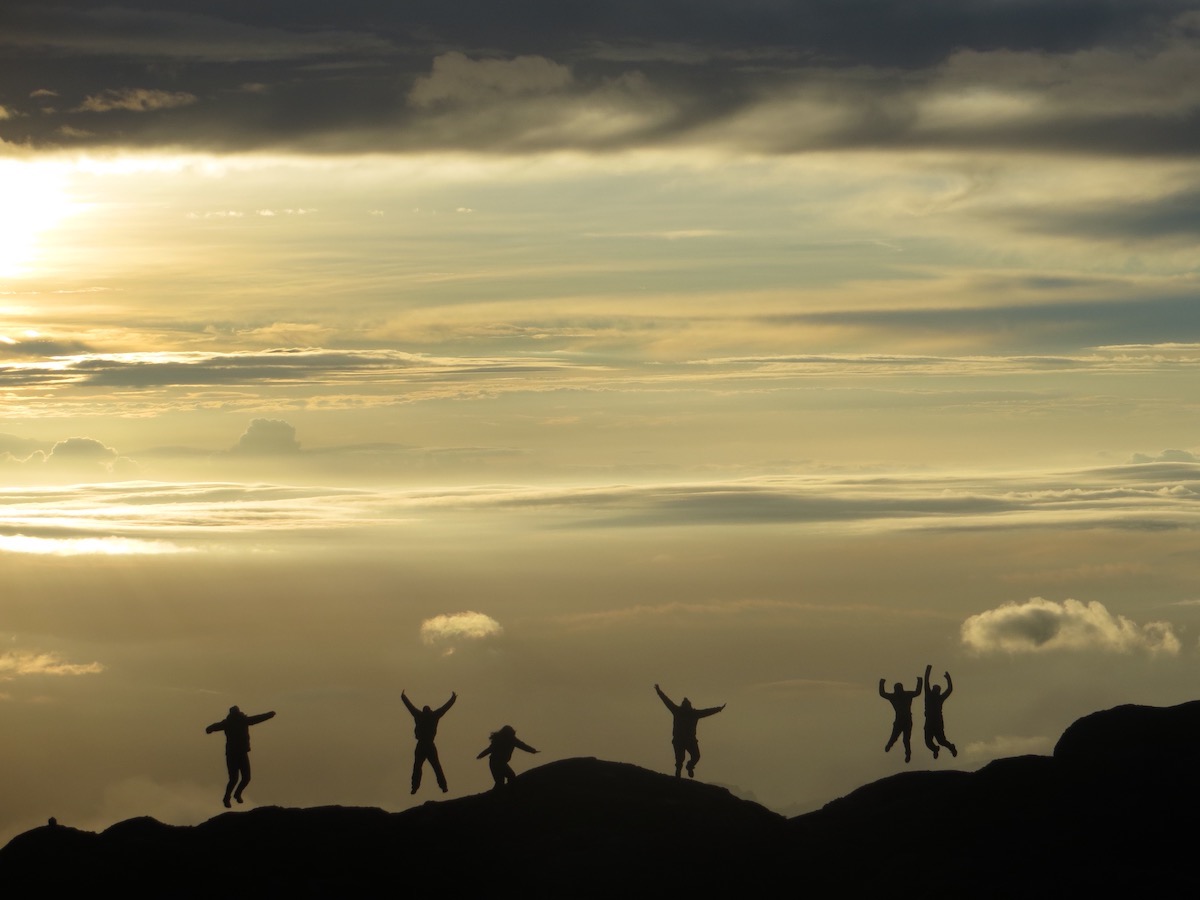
x=459, y=626
x=1042, y=625
x=1008, y=745
x=268, y=437
x=24, y=662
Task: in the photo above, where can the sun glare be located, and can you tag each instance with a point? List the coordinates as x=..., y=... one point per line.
x=33, y=199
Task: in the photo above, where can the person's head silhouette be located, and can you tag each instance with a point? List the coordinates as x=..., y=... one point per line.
x=686, y=704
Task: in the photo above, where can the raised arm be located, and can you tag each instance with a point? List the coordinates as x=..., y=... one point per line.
x=882, y=692
x=441, y=711
x=928, y=669
x=665, y=699
x=412, y=709
x=711, y=711
x=949, y=686
x=517, y=742
x=917, y=692
x=261, y=717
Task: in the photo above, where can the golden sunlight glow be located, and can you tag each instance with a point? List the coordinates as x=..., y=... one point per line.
x=107, y=546
x=33, y=199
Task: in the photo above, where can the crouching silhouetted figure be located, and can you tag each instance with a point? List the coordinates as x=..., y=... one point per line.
x=236, y=726
x=683, y=730
x=426, y=721
x=901, y=701
x=935, y=728
x=499, y=753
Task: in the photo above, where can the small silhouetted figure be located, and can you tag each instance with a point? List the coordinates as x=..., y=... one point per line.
x=683, y=730
x=935, y=728
x=426, y=721
x=500, y=751
x=236, y=726
x=901, y=701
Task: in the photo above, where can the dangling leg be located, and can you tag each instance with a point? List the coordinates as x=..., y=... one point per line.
x=244, y=767
x=897, y=730
x=231, y=764
x=432, y=755
x=907, y=737
x=929, y=742
x=693, y=758
x=679, y=749
x=418, y=763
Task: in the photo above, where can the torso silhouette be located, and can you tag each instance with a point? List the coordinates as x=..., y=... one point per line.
x=901, y=701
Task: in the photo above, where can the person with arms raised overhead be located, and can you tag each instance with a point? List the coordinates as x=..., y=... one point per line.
x=499, y=753
x=426, y=721
x=683, y=730
x=236, y=726
x=935, y=728
x=901, y=701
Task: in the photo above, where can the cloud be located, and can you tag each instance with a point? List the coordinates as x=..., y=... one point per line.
x=136, y=100
x=81, y=452
x=16, y=663
x=449, y=629
x=267, y=437
x=1008, y=745
x=458, y=79
x=1166, y=456
x=1039, y=625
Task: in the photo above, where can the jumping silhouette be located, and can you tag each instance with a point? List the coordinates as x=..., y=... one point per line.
x=683, y=730
x=901, y=701
x=500, y=751
x=426, y=720
x=236, y=726
x=935, y=729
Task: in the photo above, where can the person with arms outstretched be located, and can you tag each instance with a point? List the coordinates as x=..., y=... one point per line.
x=901, y=701
x=499, y=753
x=426, y=721
x=935, y=728
x=683, y=730
x=236, y=726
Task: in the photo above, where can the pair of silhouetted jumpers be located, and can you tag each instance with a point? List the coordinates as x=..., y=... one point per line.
x=683, y=730
x=236, y=726
x=935, y=728
x=426, y=721
x=499, y=753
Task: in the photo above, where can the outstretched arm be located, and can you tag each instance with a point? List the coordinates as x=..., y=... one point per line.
x=665, y=699
x=524, y=746
x=445, y=706
x=412, y=709
x=484, y=753
x=882, y=692
x=949, y=686
x=215, y=726
x=261, y=717
x=711, y=711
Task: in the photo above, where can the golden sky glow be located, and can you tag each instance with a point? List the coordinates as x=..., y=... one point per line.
x=544, y=364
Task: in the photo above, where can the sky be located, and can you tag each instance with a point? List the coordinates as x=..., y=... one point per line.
x=544, y=352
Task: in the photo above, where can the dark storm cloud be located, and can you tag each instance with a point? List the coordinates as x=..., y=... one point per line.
x=340, y=77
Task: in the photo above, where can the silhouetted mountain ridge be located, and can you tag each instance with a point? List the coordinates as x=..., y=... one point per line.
x=1107, y=811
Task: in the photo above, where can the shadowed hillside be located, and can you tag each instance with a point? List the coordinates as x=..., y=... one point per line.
x=1112, y=808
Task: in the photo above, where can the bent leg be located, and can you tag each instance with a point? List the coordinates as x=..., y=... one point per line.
x=679, y=750
x=930, y=735
x=897, y=730
x=231, y=765
x=693, y=758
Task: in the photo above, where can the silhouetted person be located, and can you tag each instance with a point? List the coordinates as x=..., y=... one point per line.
x=426, y=720
x=901, y=701
x=236, y=726
x=935, y=728
x=500, y=751
x=683, y=730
